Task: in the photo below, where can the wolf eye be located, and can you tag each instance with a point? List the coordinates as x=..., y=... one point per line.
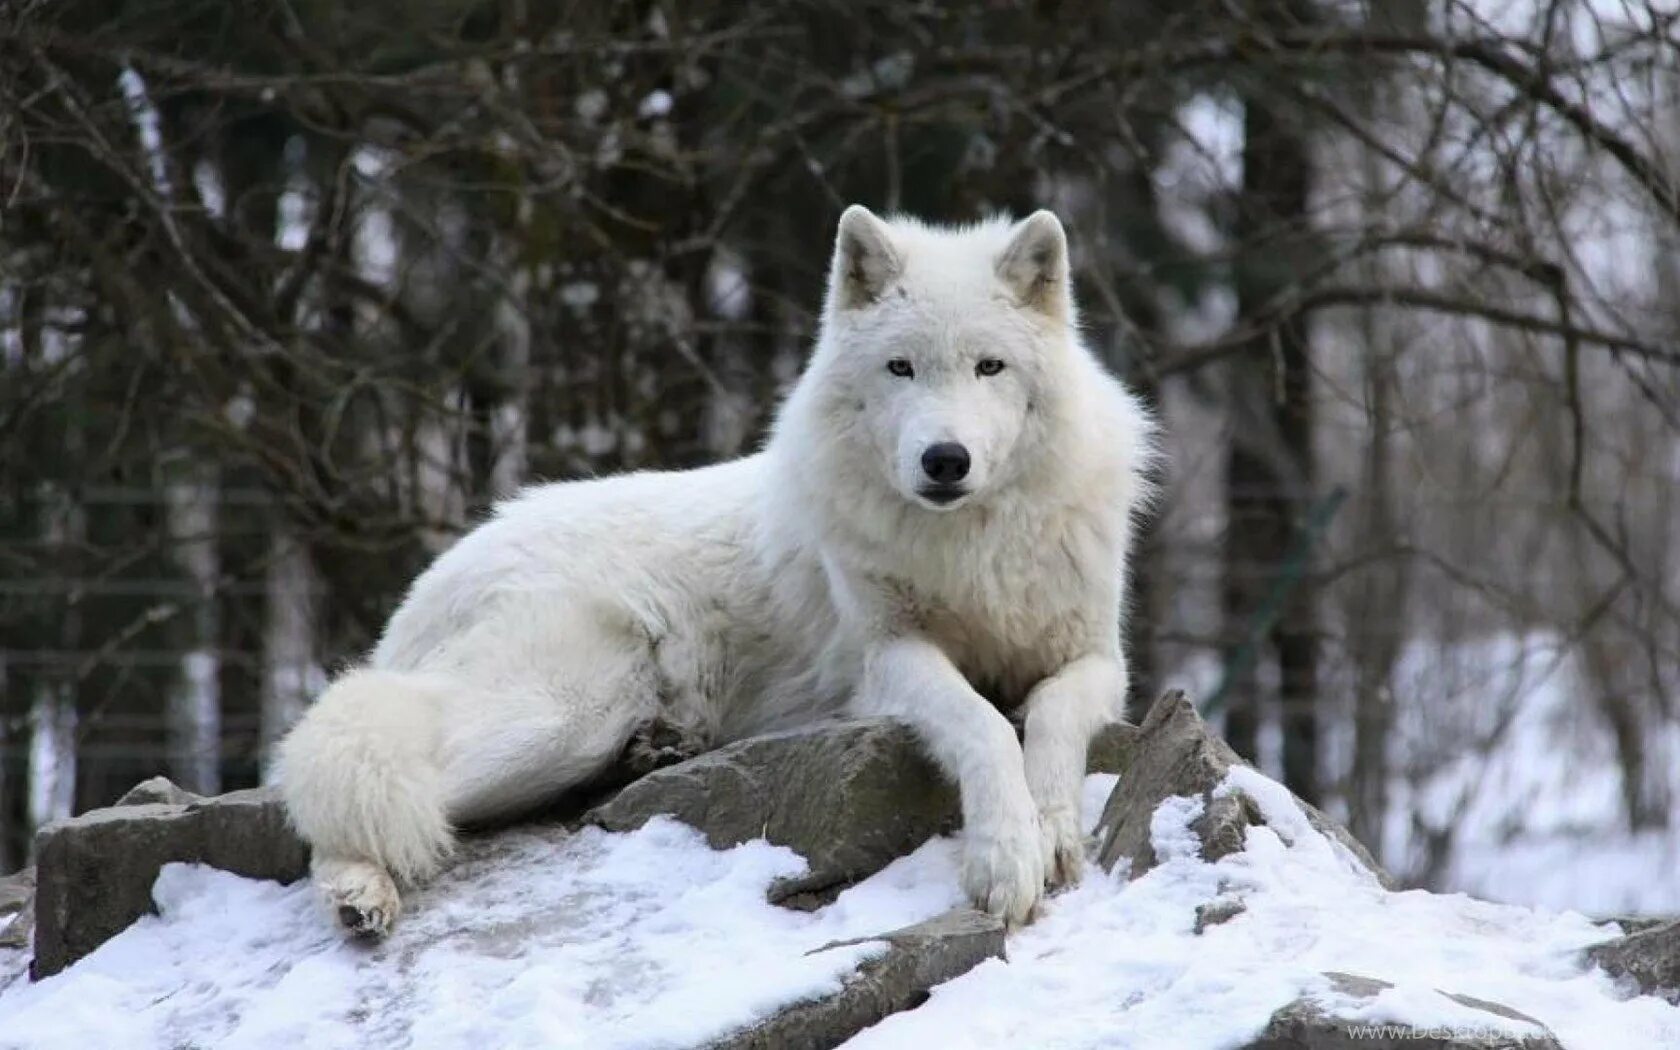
x=991, y=366
x=901, y=368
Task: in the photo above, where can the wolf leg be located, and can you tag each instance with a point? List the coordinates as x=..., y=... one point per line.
x=386, y=764
x=360, y=779
x=360, y=893
x=1063, y=712
x=913, y=680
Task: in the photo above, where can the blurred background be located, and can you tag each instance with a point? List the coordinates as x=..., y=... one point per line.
x=291, y=291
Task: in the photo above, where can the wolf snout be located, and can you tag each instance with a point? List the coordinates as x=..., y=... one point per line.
x=945, y=463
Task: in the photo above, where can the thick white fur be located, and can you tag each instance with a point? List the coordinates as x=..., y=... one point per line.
x=782, y=587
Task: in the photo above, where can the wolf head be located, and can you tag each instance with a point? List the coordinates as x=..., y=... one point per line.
x=942, y=351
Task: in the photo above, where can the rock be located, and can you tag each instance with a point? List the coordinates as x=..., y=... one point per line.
x=1217, y=913
x=1636, y=923
x=1309, y=1023
x=1111, y=749
x=157, y=790
x=920, y=956
x=1648, y=957
x=1174, y=754
x=17, y=912
x=849, y=797
x=95, y=871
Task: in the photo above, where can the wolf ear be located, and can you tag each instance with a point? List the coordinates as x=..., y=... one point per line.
x=865, y=259
x=1034, y=267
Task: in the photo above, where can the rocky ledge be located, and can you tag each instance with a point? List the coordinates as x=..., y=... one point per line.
x=850, y=797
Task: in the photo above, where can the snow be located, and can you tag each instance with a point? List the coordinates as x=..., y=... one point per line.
x=1606, y=873
x=642, y=940
x=656, y=104
x=651, y=939
x=1532, y=788
x=146, y=123
x=1169, y=829
x=1117, y=964
x=1286, y=819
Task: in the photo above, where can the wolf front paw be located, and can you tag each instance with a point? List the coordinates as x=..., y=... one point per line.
x=1003, y=872
x=1062, y=846
x=361, y=895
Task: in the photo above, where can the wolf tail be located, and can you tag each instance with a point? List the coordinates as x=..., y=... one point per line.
x=360, y=774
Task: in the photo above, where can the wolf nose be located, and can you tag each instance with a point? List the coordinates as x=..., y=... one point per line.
x=945, y=463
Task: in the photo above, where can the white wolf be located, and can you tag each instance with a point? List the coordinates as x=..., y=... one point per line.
x=936, y=530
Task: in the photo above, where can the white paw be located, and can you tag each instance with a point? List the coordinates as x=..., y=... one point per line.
x=1062, y=847
x=361, y=895
x=1003, y=870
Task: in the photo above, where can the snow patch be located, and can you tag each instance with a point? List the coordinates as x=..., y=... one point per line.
x=1113, y=963
x=650, y=939
x=1532, y=792
x=1169, y=828
x=1285, y=818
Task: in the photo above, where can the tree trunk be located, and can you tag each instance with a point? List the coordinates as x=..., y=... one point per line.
x=290, y=664
x=195, y=709
x=1269, y=469
x=52, y=715
x=1375, y=615
x=1376, y=612
x=511, y=412
x=5, y=763
x=52, y=753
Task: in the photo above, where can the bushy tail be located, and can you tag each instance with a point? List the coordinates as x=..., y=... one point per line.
x=360, y=773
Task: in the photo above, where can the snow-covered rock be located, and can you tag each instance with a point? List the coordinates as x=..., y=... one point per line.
x=917, y=958
x=1649, y=958
x=538, y=936
x=553, y=935
x=1118, y=962
x=94, y=873
x=157, y=790
x=1177, y=760
x=849, y=797
x=1329, y=1019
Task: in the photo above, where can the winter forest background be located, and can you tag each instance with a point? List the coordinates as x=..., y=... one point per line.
x=292, y=290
